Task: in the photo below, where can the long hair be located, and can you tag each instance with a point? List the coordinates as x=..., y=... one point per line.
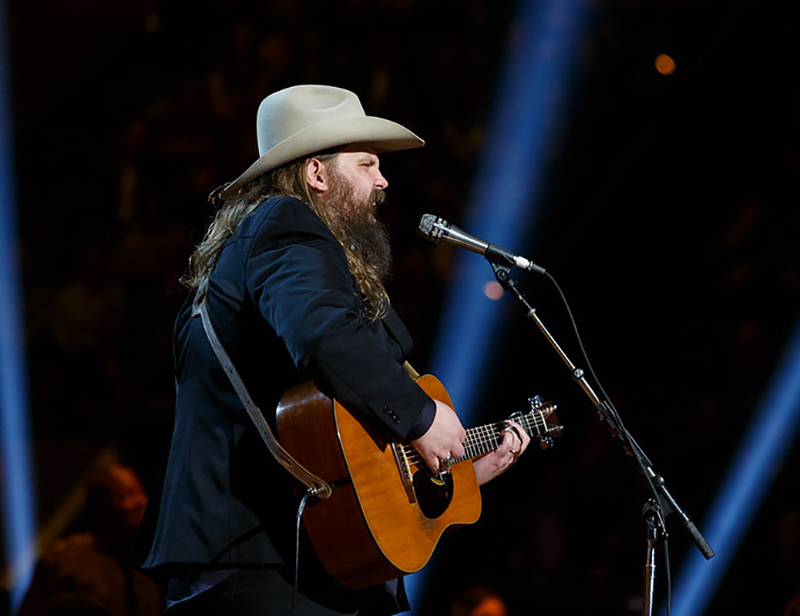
x=286, y=180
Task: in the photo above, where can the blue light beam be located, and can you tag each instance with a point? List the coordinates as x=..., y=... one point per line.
x=764, y=446
x=14, y=437
x=533, y=91
x=507, y=195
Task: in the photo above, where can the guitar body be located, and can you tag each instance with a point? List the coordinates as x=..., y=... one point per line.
x=386, y=512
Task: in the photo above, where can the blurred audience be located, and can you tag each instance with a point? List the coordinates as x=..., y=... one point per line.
x=788, y=539
x=174, y=121
x=479, y=601
x=86, y=573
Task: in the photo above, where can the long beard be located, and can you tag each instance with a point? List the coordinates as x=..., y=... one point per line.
x=365, y=236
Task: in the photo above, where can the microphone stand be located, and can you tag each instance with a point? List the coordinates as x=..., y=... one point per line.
x=656, y=509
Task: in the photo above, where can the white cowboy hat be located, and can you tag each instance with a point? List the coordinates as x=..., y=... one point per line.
x=302, y=120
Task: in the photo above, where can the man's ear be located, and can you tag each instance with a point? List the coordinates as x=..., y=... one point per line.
x=317, y=175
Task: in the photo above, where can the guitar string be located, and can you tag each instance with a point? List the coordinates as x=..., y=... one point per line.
x=484, y=439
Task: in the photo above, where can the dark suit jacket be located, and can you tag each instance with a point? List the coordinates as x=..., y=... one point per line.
x=286, y=309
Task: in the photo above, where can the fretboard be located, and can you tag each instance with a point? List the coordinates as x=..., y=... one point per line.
x=485, y=439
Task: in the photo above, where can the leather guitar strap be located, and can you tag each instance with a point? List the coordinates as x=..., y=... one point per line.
x=316, y=486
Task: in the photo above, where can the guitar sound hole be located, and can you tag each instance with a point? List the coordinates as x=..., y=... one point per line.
x=434, y=492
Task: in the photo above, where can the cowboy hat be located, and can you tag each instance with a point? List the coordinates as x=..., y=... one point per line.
x=302, y=120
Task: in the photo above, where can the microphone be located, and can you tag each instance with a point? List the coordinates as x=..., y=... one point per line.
x=442, y=232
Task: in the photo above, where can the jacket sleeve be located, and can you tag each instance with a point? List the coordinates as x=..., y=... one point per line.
x=297, y=275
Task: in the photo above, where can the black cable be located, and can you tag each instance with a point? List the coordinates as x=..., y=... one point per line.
x=669, y=575
x=622, y=431
x=301, y=507
x=608, y=405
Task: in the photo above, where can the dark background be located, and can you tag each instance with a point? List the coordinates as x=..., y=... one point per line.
x=671, y=223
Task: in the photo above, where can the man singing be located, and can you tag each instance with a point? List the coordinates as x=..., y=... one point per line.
x=293, y=269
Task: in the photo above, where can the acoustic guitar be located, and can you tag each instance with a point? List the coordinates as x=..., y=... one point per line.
x=386, y=511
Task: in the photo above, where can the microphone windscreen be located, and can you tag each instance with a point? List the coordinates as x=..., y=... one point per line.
x=426, y=225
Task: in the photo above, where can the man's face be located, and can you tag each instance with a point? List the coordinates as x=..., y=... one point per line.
x=355, y=191
x=124, y=502
x=357, y=186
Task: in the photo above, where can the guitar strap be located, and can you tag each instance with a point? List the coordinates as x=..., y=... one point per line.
x=316, y=486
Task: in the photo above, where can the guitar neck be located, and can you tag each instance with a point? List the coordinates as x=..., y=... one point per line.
x=539, y=423
x=485, y=439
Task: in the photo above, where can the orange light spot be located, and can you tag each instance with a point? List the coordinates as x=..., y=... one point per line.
x=665, y=64
x=493, y=290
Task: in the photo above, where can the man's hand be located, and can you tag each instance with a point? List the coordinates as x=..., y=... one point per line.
x=515, y=441
x=445, y=438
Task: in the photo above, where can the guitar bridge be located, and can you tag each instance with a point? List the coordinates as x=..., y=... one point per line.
x=403, y=462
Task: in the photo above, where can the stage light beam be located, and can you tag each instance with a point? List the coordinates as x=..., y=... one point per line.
x=763, y=448
x=15, y=459
x=534, y=90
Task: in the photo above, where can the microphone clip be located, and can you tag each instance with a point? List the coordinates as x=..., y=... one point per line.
x=500, y=257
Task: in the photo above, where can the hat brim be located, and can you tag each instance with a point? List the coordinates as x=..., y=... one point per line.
x=374, y=133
